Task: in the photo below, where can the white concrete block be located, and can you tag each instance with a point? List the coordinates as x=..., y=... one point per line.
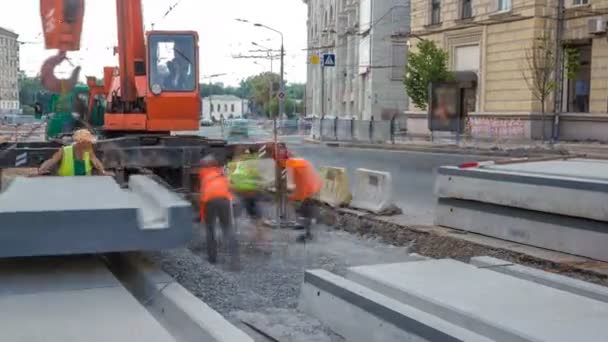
x=363, y=315
x=557, y=281
x=492, y=304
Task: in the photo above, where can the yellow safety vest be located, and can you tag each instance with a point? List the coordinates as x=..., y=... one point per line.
x=66, y=167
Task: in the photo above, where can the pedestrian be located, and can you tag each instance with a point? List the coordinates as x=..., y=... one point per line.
x=247, y=183
x=216, y=204
x=307, y=184
x=77, y=159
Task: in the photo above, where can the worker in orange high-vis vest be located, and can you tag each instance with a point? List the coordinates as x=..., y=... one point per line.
x=216, y=204
x=307, y=184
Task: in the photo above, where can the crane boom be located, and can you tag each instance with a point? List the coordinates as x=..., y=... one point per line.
x=131, y=47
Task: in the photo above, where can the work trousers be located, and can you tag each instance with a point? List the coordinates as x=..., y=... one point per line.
x=220, y=209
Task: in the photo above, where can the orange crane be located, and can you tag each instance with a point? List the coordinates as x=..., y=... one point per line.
x=154, y=89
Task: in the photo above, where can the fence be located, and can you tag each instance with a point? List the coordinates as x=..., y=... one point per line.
x=373, y=131
x=290, y=127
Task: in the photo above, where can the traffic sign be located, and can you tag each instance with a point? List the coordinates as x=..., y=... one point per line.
x=329, y=60
x=314, y=59
x=281, y=95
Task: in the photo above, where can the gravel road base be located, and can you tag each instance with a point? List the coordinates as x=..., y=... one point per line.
x=266, y=289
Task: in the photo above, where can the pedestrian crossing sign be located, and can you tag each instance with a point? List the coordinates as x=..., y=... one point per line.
x=329, y=60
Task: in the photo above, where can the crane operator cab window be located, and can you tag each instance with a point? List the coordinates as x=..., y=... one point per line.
x=172, y=62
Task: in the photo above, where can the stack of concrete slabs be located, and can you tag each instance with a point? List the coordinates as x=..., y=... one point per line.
x=559, y=204
x=81, y=215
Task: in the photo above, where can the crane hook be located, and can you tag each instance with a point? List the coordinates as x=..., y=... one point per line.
x=53, y=84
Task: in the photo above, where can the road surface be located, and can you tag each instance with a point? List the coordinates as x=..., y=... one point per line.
x=413, y=172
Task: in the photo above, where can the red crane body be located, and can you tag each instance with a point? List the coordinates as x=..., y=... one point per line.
x=155, y=86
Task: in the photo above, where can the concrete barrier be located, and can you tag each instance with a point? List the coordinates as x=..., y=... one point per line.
x=373, y=190
x=335, y=191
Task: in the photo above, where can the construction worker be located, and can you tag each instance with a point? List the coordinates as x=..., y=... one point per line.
x=307, y=184
x=77, y=159
x=246, y=181
x=216, y=204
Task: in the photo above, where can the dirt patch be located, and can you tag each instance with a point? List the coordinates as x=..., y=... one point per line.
x=433, y=243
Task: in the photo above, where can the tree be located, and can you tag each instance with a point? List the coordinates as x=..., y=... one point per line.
x=290, y=107
x=538, y=72
x=429, y=64
x=29, y=88
x=295, y=90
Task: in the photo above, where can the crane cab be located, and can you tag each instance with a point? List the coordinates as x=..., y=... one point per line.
x=172, y=98
x=164, y=95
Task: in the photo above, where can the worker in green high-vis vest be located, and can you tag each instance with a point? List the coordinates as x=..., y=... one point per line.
x=77, y=159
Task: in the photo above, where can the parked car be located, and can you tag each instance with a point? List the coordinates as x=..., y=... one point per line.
x=239, y=128
x=206, y=123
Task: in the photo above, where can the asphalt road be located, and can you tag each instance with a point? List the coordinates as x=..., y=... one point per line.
x=413, y=172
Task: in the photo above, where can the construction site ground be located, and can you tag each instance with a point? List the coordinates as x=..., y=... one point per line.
x=263, y=296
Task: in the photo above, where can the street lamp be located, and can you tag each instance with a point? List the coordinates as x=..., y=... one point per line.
x=268, y=51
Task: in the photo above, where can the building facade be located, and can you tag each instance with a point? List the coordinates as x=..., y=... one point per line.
x=9, y=71
x=216, y=107
x=491, y=38
x=368, y=39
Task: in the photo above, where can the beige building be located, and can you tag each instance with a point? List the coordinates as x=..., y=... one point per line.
x=490, y=37
x=9, y=71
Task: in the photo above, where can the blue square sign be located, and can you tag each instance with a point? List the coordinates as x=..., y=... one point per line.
x=329, y=60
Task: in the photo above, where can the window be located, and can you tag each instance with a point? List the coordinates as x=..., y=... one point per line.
x=466, y=10
x=219, y=108
x=172, y=62
x=435, y=12
x=232, y=107
x=580, y=2
x=225, y=108
x=505, y=5
x=210, y=108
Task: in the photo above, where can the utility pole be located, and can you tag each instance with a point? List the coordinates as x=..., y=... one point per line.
x=280, y=182
x=559, y=70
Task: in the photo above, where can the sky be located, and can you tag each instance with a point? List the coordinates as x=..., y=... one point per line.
x=220, y=36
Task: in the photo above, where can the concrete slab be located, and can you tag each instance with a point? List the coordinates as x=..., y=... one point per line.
x=77, y=215
x=98, y=309
x=577, y=168
x=498, y=306
x=525, y=186
x=556, y=281
x=360, y=314
x=560, y=233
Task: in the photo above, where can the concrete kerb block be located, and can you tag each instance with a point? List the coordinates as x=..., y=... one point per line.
x=362, y=315
x=373, y=190
x=186, y=317
x=335, y=191
x=553, y=280
x=164, y=206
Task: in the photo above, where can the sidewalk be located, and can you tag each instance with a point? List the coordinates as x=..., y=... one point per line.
x=531, y=148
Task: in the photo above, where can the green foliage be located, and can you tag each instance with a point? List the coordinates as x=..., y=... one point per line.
x=539, y=68
x=290, y=108
x=572, y=62
x=295, y=90
x=428, y=64
x=29, y=87
x=261, y=90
